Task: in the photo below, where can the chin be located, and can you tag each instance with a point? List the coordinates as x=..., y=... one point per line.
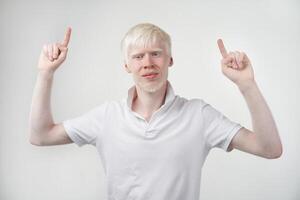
x=150, y=87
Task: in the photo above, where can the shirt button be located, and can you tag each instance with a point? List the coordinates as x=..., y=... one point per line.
x=150, y=133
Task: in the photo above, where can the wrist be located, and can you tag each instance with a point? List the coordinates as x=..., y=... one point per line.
x=247, y=86
x=46, y=73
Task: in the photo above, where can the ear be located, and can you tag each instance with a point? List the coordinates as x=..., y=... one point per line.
x=127, y=68
x=171, y=62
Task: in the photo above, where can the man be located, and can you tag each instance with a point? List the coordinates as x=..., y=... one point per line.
x=153, y=144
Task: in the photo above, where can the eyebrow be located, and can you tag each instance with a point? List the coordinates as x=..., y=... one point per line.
x=155, y=50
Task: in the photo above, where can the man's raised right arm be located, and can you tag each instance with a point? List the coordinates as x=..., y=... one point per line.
x=43, y=130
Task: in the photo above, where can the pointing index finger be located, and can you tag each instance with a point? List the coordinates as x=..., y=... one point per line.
x=222, y=48
x=67, y=37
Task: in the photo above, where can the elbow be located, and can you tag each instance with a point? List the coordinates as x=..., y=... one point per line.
x=37, y=136
x=34, y=140
x=276, y=153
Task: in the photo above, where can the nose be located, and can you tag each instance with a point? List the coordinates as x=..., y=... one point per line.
x=147, y=61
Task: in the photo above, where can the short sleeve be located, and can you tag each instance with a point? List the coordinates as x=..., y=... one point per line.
x=87, y=128
x=218, y=129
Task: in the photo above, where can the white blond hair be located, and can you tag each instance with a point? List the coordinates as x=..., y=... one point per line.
x=144, y=35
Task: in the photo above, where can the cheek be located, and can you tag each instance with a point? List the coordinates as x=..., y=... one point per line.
x=136, y=65
x=133, y=67
x=135, y=72
x=165, y=60
x=165, y=63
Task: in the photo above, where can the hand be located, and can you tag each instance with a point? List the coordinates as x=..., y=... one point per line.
x=236, y=66
x=53, y=55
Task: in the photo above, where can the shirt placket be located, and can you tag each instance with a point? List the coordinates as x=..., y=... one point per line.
x=150, y=130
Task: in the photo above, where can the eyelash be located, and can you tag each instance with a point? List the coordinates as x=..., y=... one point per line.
x=141, y=56
x=157, y=53
x=138, y=56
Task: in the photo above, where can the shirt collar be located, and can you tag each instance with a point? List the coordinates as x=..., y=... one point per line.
x=169, y=96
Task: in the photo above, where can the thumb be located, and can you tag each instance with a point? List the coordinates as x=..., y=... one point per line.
x=227, y=61
x=62, y=52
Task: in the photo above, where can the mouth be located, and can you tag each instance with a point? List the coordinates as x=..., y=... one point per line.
x=150, y=75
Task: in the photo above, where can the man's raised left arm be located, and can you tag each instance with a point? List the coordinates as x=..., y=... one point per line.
x=264, y=140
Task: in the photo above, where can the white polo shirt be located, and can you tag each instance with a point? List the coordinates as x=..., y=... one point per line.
x=156, y=160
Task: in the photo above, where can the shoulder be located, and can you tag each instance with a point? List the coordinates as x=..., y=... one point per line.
x=194, y=103
x=102, y=108
x=110, y=104
x=113, y=106
x=192, y=106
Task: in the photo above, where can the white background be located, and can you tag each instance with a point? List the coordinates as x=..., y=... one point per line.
x=268, y=31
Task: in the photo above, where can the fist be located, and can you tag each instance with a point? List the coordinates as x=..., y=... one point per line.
x=53, y=55
x=236, y=66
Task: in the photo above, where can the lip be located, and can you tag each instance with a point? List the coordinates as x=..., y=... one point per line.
x=150, y=75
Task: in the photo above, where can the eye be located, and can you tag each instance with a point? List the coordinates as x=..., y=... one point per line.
x=156, y=53
x=139, y=56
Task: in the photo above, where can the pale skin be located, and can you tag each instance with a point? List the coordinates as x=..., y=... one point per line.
x=263, y=141
x=43, y=130
x=142, y=61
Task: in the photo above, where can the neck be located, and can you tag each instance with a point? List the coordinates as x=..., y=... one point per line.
x=146, y=103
